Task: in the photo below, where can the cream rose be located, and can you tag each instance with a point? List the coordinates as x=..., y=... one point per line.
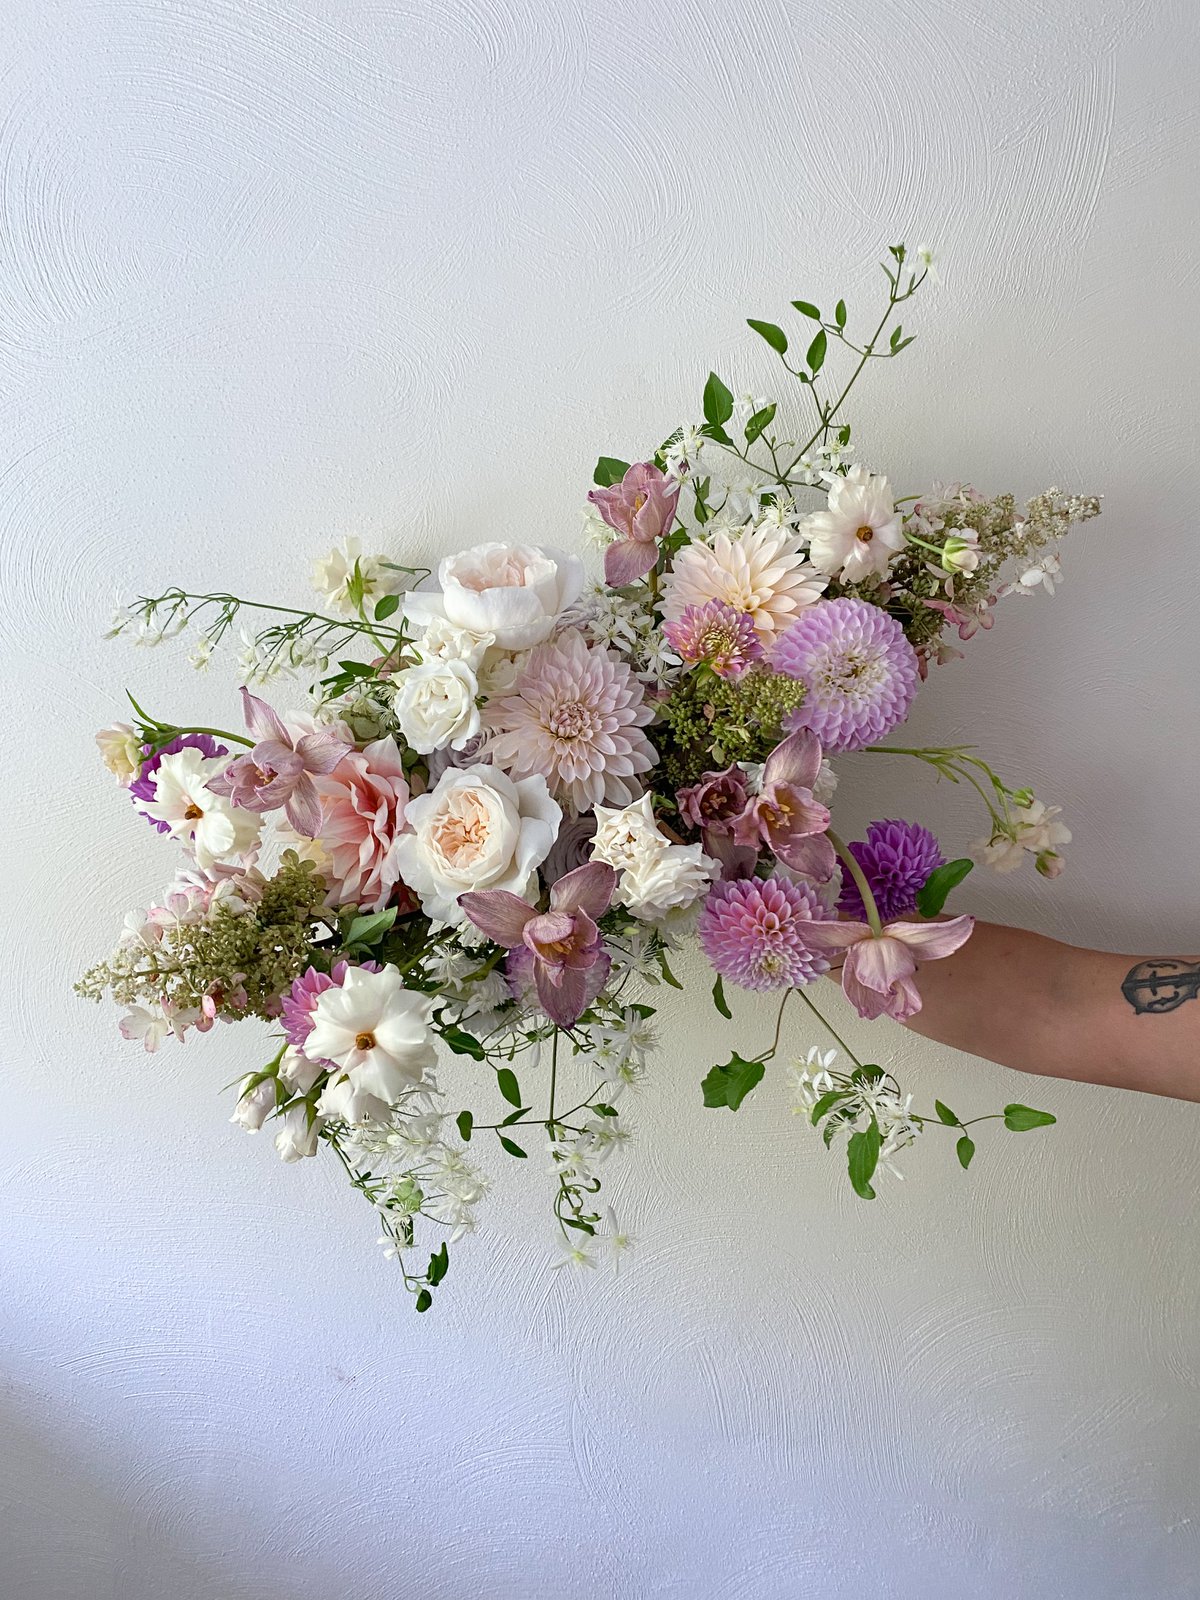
x=626, y=835
x=121, y=751
x=515, y=592
x=667, y=881
x=478, y=829
x=435, y=706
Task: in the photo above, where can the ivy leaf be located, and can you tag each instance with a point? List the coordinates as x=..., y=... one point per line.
x=718, y=402
x=464, y=1122
x=506, y=1082
x=720, y=1001
x=729, y=1084
x=935, y=891
x=513, y=1149
x=945, y=1114
x=1021, y=1118
x=366, y=930
x=463, y=1044
x=609, y=471
x=815, y=358
x=774, y=336
x=965, y=1149
x=807, y=309
x=387, y=607
x=862, y=1155
x=839, y=313
x=760, y=420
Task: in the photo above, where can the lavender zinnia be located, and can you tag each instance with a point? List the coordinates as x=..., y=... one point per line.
x=859, y=672
x=754, y=931
x=145, y=788
x=896, y=858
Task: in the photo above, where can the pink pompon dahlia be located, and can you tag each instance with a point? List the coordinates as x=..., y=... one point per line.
x=575, y=715
x=757, y=932
x=859, y=672
x=717, y=635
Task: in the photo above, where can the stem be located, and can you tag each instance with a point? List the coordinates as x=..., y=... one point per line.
x=216, y=733
x=769, y=1055
x=553, y=1081
x=829, y=1028
x=864, y=888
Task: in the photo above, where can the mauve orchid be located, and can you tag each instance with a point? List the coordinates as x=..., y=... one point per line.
x=278, y=770
x=784, y=816
x=878, y=972
x=564, y=941
x=641, y=508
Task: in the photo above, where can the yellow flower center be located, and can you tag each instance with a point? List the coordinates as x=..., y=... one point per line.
x=364, y=1041
x=192, y=813
x=865, y=533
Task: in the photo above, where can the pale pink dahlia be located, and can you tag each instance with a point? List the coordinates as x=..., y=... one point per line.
x=860, y=672
x=756, y=932
x=716, y=634
x=759, y=570
x=576, y=716
x=362, y=813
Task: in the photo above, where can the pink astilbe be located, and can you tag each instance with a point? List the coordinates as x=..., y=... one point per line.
x=641, y=508
x=878, y=972
x=279, y=770
x=784, y=816
x=564, y=942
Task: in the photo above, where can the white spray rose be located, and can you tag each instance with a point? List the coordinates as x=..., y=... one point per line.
x=435, y=706
x=515, y=592
x=626, y=834
x=442, y=641
x=477, y=829
x=121, y=751
x=671, y=879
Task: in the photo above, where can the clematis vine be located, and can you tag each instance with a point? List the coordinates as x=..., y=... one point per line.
x=879, y=967
x=564, y=941
x=641, y=508
x=784, y=816
x=278, y=770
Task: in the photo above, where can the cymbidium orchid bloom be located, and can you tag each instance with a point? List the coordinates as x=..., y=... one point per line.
x=878, y=971
x=784, y=816
x=564, y=941
x=641, y=508
x=278, y=770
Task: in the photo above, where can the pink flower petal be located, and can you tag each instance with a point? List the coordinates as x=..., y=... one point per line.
x=932, y=940
x=796, y=761
x=498, y=914
x=261, y=720
x=588, y=888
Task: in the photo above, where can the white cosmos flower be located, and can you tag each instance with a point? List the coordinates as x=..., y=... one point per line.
x=207, y=823
x=375, y=1030
x=435, y=705
x=860, y=531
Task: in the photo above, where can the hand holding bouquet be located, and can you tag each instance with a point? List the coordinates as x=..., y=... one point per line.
x=515, y=791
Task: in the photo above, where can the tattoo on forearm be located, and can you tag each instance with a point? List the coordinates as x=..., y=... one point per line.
x=1161, y=984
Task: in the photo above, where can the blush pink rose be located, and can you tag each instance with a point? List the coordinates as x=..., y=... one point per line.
x=363, y=802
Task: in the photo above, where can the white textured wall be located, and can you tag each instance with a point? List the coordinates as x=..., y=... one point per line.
x=276, y=270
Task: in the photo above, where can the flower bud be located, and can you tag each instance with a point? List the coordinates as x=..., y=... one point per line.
x=959, y=554
x=1050, y=864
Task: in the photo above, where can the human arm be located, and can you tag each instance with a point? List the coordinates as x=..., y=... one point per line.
x=1040, y=1006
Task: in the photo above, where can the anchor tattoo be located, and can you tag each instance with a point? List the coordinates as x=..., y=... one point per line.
x=1161, y=984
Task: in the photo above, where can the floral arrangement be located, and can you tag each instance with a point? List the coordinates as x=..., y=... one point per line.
x=515, y=792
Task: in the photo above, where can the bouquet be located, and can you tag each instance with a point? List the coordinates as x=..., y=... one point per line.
x=450, y=883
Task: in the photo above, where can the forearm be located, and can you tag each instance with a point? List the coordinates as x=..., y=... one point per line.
x=1040, y=1006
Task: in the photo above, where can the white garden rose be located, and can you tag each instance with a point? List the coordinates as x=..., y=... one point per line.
x=442, y=641
x=628, y=834
x=477, y=829
x=664, y=882
x=435, y=706
x=514, y=591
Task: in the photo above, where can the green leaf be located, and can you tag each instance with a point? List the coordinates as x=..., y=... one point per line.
x=366, y=930
x=815, y=359
x=965, y=1149
x=464, y=1044
x=760, y=420
x=387, y=607
x=609, y=471
x=439, y=1265
x=729, y=1084
x=935, y=891
x=714, y=430
x=1021, y=1118
x=424, y=1300
x=357, y=669
x=903, y=345
x=718, y=402
x=513, y=1149
x=839, y=313
x=603, y=1110
x=720, y=1001
x=514, y=1116
x=945, y=1114
x=578, y=1222
x=506, y=1082
x=774, y=336
x=862, y=1155
x=867, y=1073
x=464, y=1122
x=668, y=975
x=806, y=309
x=826, y=1103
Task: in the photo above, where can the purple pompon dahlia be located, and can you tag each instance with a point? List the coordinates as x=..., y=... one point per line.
x=144, y=787
x=753, y=931
x=896, y=859
x=859, y=671
x=717, y=634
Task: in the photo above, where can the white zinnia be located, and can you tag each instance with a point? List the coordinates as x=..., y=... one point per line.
x=861, y=530
x=333, y=576
x=477, y=829
x=435, y=706
x=375, y=1030
x=207, y=823
x=758, y=569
